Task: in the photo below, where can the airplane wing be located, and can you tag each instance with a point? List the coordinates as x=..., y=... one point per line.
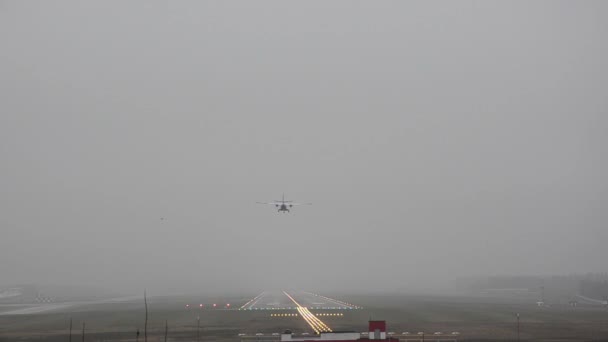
x=289, y=203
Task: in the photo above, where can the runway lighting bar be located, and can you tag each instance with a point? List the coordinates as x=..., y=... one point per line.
x=316, y=324
x=284, y=315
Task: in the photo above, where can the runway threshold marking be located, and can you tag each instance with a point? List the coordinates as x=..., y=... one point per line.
x=315, y=323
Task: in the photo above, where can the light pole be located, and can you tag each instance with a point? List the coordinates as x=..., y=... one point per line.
x=518, y=327
x=166, y=329
x=198, y=329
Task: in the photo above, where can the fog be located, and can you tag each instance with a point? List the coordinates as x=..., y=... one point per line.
x=435, y=140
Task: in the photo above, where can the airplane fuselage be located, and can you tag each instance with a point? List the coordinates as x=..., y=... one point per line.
x=282, y=205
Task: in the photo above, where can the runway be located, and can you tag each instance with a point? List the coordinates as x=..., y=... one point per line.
x=278, y=300
x=30, y=309
x=300, y=301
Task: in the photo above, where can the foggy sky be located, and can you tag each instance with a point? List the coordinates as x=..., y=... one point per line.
x=434, y=139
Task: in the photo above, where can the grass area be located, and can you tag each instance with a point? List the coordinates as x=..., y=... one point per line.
x=485, y=319
x=473, y=318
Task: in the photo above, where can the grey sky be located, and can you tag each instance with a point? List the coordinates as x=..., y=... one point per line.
x=435, y=139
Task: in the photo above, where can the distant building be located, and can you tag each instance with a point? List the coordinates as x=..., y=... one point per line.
x=376, y=331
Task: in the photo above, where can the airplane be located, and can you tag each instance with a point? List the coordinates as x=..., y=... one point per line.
x=283, y=205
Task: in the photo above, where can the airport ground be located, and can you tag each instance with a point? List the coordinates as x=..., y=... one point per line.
x=473, y=318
